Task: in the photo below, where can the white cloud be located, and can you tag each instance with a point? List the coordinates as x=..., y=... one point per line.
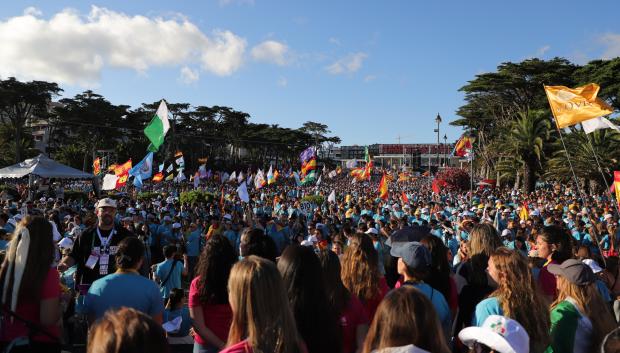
x=73, y=48
x=188, y=75
x=238, y=2
x=32, y=11
x=542, y=50
x=370, y=78
x=334, y=41
x=611, y=41
x=282, y=82
x=271, y=51
x=348, y=64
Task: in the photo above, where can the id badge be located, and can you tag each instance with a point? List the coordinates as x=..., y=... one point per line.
x=92, y=261
x=104, y=259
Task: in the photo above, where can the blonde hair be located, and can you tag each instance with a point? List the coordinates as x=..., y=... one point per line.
x=261, y=314
x=519, y=297
x=590, y=303
x=483, y=240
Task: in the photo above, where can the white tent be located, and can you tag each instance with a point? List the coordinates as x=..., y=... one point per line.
x=43, y=167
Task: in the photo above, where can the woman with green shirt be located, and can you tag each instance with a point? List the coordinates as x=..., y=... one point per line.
x=579, y=312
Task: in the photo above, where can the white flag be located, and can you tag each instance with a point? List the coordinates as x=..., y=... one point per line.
x=332, y=196
x=242, y=191
x=592, y=125
x=109, y=182
x=232, y=177
x=351, y=163
x=332, y=174
x=240, y=177
x=224, y=178
x=318, y=182
x=196, y=181
x=170, y=168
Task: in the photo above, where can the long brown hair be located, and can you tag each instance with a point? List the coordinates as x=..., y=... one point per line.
x=519, y=297
x=261, y=313
x=126, y=330
x=360, y=267
x=483, y=240
x=590, y=303
x=40, y=258
x=405, y=316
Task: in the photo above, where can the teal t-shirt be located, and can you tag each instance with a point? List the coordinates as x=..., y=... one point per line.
x=163, y=268
x=123, y=289
x=439, y=302
x=487, y=307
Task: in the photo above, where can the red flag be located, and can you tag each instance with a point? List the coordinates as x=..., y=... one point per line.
x=383, y=188
x=97, y=166
x=404, y=197
x=158, y=177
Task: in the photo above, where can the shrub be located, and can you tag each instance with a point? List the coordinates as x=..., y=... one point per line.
x=454, y=179
x=196, y=196
x=315, y=199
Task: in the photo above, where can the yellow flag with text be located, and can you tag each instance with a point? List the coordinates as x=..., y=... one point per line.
x=574, y=105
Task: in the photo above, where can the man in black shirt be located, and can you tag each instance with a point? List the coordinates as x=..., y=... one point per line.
x=94, y=250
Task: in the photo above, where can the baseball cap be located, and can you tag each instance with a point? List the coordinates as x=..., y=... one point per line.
x=501, y=334
x=176, y=225
x=107, y=202
x=372, y=231
x=574, y=271
x=414, y=254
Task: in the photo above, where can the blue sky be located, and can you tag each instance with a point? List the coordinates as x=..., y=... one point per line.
x=370, y=70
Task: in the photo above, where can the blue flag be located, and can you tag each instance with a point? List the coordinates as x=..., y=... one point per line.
x=137, y=181
x=144, y=169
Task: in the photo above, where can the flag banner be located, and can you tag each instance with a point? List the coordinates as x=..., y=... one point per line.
x=232, y=177
x=180, y=177
x=240, y=177
x=158, y=127
x=524, y=214
x=308, y=166
x=309, y=178
x=109, y=182
x=161, y=167
x=196, y=180
x=617, y=185
x=332, y=197
x=338, y=170
x=224, y=177
x=158, y=177
x=463, y=146
x=332, y=174
x=180, y=162
x=97, y=166
x=270, y=179
x=144, y=168
x=404, y=197
x=259, y=180
x=122, y=180
x=383, y=188
x=112, y=167
x=123, y=168
x=202, y=170
x=170, y=177
x=250, y=176
x=318, y=182
x=351, y=163
x=170, y=168
x=242, y=191
x=137, y=182
x=589, y=126
x=307, y=154
x=297, y=180
x=574, y=105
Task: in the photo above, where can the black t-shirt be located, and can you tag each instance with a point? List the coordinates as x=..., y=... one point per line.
x=89, y=242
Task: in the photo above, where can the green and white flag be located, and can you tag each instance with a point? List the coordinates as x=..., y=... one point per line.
x=158, y=127
x=309, y=178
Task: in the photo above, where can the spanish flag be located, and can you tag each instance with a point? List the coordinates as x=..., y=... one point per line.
x=574, y=105
x=97, y=166
x=123, y=168
x=158, y=177
x=404, y=197
x=617, y=185
x=383, y=188
x=463, y=146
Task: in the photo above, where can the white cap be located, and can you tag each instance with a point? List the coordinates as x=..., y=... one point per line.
x=228, y=217
x=506, y=232
x=372, y=231
x=65, y=243
x=499, y=333
x=176, y=225
x=107, y=202
x=608, y=216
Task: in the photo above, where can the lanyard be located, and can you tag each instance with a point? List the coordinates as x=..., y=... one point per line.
x=105, y=241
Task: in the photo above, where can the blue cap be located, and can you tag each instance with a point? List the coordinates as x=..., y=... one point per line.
x=414, y=254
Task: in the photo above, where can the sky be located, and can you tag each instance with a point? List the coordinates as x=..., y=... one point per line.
x=374, y=71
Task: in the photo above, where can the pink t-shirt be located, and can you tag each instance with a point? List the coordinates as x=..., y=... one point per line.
x=241, y=347
x=31, y=311
x=372, y=304
x=218, y=317
x=353, y=316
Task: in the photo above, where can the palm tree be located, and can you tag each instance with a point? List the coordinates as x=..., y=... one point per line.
x=525, y=140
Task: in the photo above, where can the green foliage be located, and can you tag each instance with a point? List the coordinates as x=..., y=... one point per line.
x=10, y=189
x=196, y=196
x=148, y=195
x=316, y=199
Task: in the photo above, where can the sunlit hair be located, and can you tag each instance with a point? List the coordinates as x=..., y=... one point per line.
x=519, y=297
x=360, y=267
x=126, y=330
x=261, y=314
x=589, y=302
x=483, y=240
x=405, y=316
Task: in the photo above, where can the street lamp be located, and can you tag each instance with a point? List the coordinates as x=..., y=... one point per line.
x=438, y=121
x=445, y=155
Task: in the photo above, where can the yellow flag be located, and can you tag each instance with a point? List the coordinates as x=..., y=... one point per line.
x=574, y=105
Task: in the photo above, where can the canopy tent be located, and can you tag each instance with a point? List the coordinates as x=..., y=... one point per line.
x=43, y=167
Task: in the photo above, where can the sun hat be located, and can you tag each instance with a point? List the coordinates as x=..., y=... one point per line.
x=106, y=202
x=574, y=271
x=414, y=254
x=499, y=333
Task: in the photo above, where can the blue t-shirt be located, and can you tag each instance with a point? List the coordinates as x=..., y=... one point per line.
x=163, y=268
x=192, y=244
x=123, y=289
x=487, y=307
x=439, y=302
x=186, y=322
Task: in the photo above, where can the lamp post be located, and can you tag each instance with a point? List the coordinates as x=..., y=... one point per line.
x=445, y=155
x=438, y=121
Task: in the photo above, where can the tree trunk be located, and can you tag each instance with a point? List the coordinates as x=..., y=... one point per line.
x=517, y=180
x=18, y=143
x=530, y=174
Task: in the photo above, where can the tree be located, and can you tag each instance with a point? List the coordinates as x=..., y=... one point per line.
x=23, y=102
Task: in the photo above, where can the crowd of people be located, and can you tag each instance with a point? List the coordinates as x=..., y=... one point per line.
x=489, y=270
